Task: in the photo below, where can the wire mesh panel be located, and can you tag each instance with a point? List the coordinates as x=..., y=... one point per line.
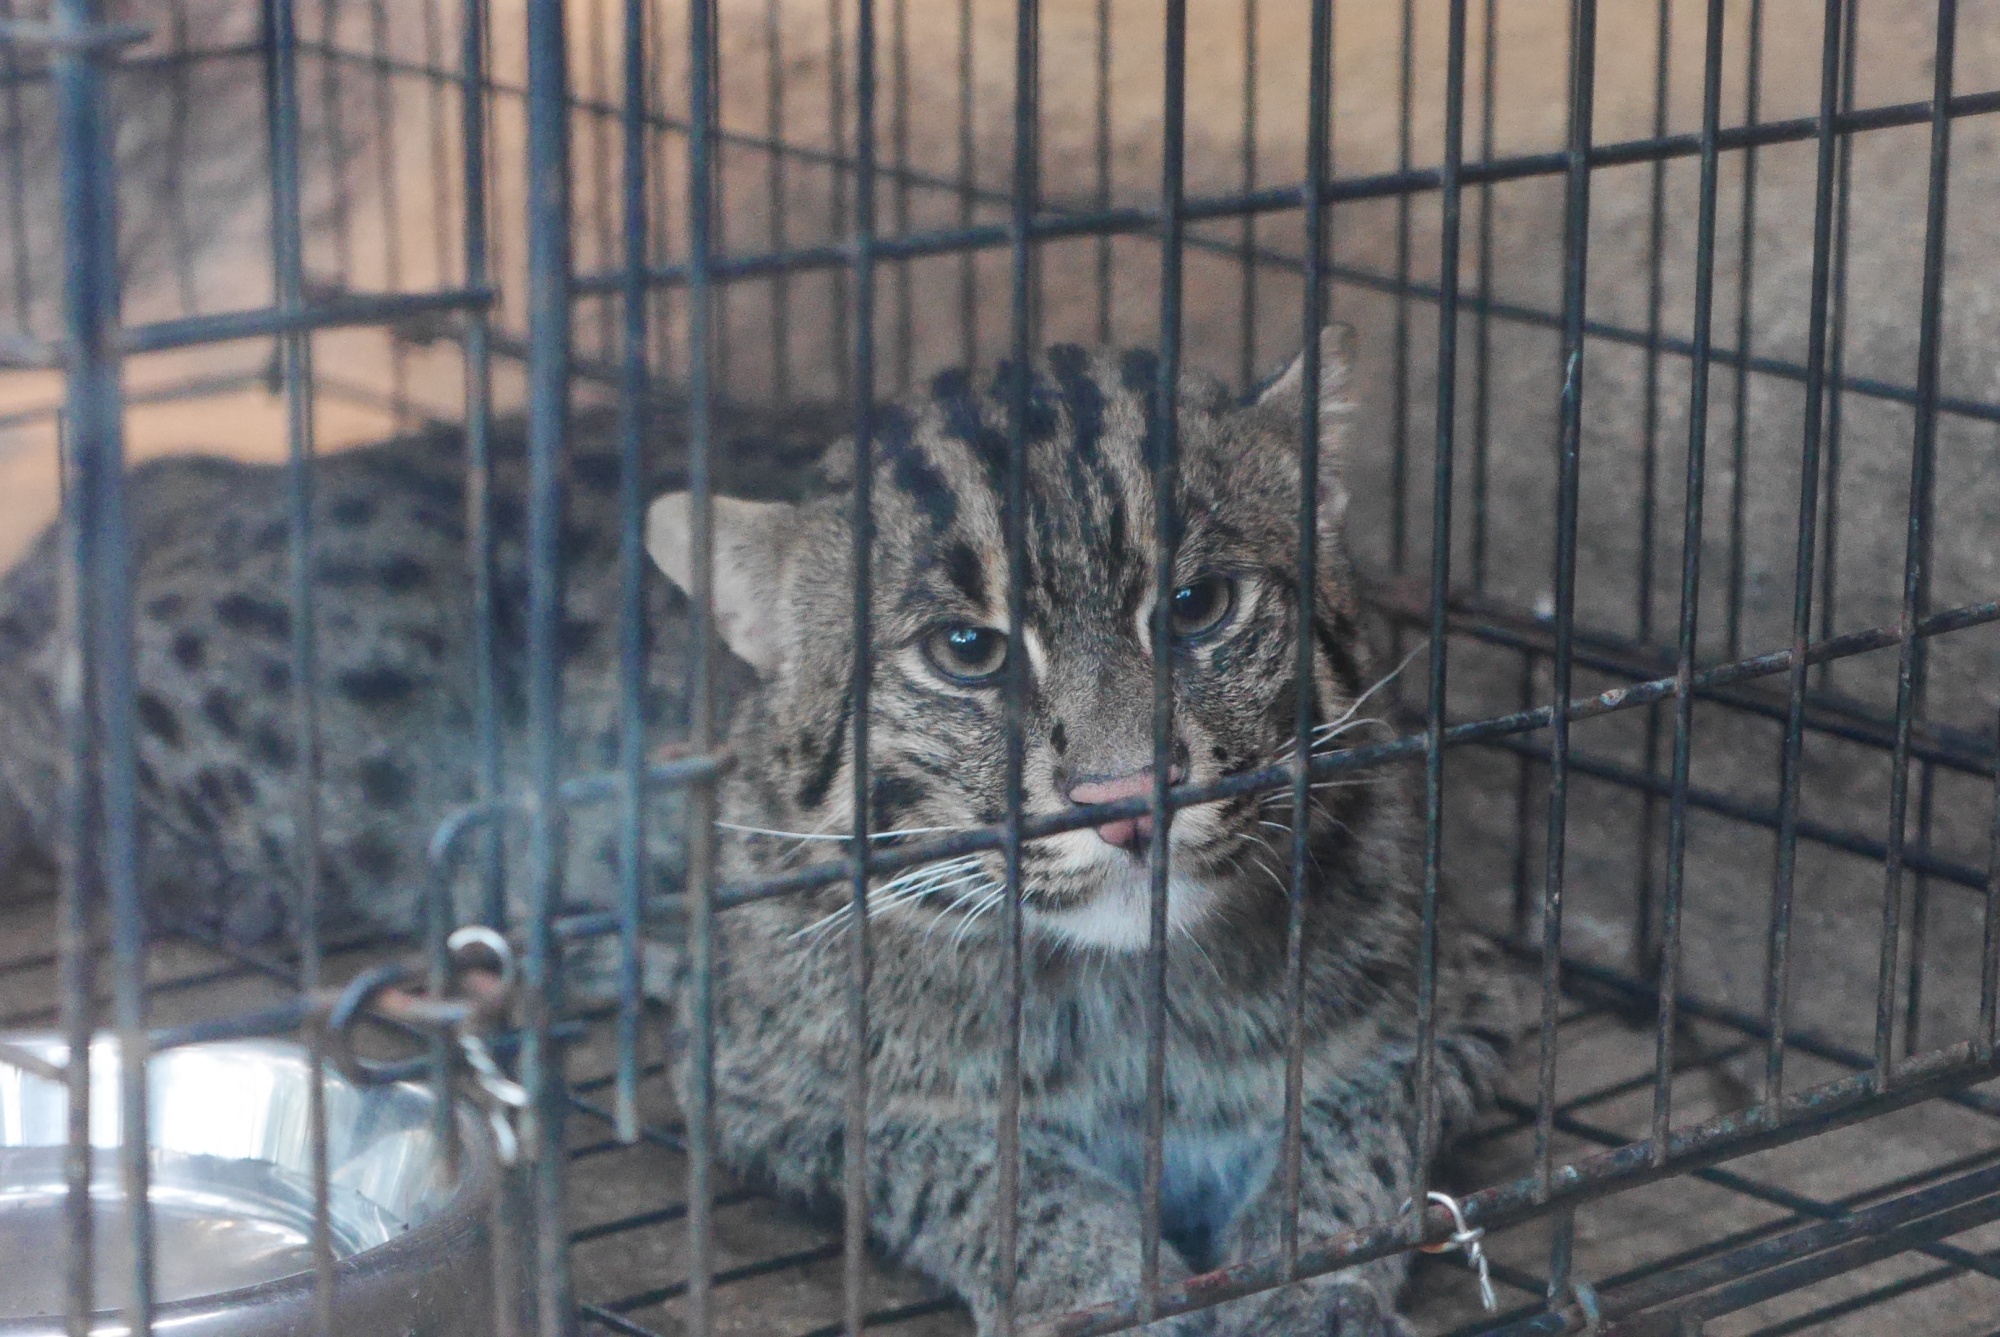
x=1636, y=353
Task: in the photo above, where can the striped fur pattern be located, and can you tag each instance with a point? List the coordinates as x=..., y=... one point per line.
x=938, y=763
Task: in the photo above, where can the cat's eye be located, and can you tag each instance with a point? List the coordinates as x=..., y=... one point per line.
x=1201, y=606
x=966, y=653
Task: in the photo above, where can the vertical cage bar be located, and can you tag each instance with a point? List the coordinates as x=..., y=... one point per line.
x=660, y=37
x=1699, y=365
x=1482, y=348
x=15, y=149
x=1319, y=99
x=633, y=865
x=1451, y=199
x=1746, y=263
x=1399, y=389
x=1562, y=1256
x=1102, y=143
x=549, y=225
x=1837, y=348
x=93, y=423
x=296, y=372
x=1246, y=235
x=1917, y=552
x=176, y=154
x=333, y=113
x=724, y=297
x=700, y=1000
x=446, y=1133
x=1988, y=1039
x=388, y=195
x=1027, y=108
x=593, y=109
x=80, y=887
x=899, y=197
x=437, y=924
x=968, y=270
x=1645, y=945
x=436, y=79
x=1576, y=269
x=1165, y=443
x=1817, y=393
x=837, y=221
x=1524, y=798
x=479, y=461
x=776, y=204
x=1920, y=896
x=494, y=167
x=855, y=1147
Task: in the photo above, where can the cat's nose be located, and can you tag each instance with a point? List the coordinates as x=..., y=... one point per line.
x=1126, y=833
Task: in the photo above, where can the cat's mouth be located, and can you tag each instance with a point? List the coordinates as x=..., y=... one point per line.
x=1093, y=891
x=1119, y=916
x=1079, y=887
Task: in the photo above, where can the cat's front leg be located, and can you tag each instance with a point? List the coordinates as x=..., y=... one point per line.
x=934, y=1194
x=1355, y=1167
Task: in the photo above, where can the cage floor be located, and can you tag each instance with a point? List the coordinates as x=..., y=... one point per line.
x=779, y=1273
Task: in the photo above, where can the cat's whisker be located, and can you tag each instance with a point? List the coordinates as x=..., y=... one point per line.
x=992, y=899
x=1347, y=719
x=819, y=927
x=921, y=891
x=971, y=894
x=1385, y=679
x=911, y=884
x=1346, y=782
x=966, y=921
x=1187, y=932
x=1326, y=734
x=927, y=870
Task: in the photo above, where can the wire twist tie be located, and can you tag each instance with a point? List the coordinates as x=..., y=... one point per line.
x=500, y=1093
x=1466, y=1239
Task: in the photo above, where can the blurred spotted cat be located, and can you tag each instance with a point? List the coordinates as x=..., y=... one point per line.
x=218, y=737
x=939, y=646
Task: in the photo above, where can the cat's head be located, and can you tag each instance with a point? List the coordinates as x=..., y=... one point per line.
x=784, y=596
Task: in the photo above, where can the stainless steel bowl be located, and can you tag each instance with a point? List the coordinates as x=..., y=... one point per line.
x=232, y=1198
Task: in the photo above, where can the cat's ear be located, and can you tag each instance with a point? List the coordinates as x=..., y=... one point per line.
x=1285, y=396
x=750, y=543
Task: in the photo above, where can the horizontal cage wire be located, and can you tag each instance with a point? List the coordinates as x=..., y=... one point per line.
x=1668, y=477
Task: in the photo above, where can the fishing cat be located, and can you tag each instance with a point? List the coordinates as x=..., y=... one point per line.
x=219, y=767
x=939, y=644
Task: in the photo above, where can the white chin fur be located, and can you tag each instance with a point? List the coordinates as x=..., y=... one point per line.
x=1119, y=917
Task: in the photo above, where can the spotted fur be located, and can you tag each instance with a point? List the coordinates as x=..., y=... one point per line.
x=938, y=763
x=218, y=737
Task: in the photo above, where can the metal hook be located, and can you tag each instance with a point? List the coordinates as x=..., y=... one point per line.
x=462, y=940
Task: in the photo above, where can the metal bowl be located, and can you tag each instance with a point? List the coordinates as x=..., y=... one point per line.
x=232, y=1201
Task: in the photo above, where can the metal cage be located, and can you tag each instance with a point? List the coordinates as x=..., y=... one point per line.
x=1680, y=420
